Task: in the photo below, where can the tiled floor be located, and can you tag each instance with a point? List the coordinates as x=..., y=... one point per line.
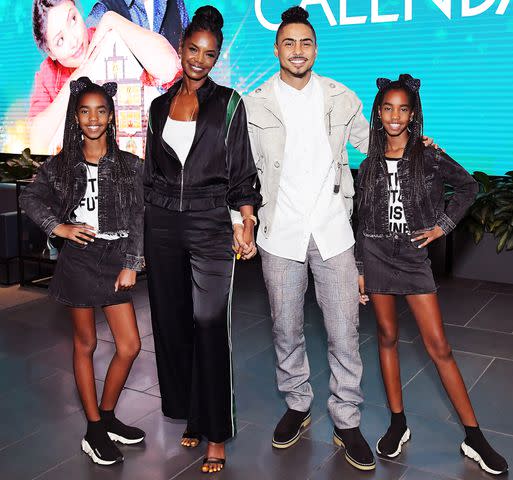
x=42, y=423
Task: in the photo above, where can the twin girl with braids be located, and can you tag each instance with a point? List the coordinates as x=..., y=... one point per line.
x=402, y=209
x=91, y=195
x=199, y=161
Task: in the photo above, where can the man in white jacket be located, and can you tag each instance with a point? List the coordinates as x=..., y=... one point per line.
x=299, y=125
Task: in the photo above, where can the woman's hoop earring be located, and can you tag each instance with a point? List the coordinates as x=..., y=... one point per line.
x=380, y=128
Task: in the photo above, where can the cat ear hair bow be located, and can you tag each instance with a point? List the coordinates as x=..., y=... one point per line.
x=110, y=88
x=77, y=86
x=382, y=83
x=411, y=83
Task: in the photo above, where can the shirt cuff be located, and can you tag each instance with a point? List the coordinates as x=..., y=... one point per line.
x=236, y=217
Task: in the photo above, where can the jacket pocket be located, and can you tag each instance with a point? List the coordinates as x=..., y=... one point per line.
x=264, y=119
x=268, y=135
x=338, y=125
x=341, y=116
x=270, y=145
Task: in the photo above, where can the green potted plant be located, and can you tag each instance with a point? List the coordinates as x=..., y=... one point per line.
x=19, y=168
x=486, y=254
x=492, y=210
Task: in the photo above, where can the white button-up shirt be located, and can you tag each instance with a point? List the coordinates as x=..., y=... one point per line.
x=306, y=204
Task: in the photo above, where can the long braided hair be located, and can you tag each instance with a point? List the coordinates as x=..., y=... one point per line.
x=414, y=150
x=71, y=153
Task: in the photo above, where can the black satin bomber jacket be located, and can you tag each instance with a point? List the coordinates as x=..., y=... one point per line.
x=219, y=169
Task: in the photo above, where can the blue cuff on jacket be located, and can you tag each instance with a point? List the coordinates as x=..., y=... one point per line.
x=132, y=262
x=445, y=223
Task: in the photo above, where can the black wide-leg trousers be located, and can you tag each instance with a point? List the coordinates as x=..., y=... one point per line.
x=190, y=265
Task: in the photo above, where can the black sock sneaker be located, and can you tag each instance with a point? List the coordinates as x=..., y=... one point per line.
x=288, y=430
x=118, y=431
x=476, y=447
x=390, y=444
x=99, y=446
x=358, y=453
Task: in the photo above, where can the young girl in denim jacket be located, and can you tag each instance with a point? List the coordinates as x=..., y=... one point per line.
x=90, y=194
x=401, y=209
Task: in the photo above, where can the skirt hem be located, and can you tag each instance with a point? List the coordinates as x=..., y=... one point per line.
x=382, y=292
x=63, y=301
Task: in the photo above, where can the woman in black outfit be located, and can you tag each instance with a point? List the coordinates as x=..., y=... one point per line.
x=198, y=165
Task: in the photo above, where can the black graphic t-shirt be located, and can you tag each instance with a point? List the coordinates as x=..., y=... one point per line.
x=396, y=218
x=87, y=210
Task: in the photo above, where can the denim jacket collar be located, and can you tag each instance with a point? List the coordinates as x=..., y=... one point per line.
x=109, y=157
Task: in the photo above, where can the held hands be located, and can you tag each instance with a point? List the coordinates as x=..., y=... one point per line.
x=361, y=288
x=429, y=236
x=80, y=233
x=244, y=240
x=125, y=280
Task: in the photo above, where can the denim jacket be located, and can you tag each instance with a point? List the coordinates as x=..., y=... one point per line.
x=42, y=201
x=421, y=215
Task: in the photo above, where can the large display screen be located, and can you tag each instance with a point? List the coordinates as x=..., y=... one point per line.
x=460, y=49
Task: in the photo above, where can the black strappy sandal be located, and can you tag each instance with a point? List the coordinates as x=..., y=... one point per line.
x=191, y=436
x=207, y=461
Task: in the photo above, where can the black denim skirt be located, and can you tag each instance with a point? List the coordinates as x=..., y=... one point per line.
x=396, y=266
x=85, y=274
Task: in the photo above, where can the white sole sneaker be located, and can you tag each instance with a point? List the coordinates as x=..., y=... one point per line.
x=123, y=440
x=471, y=453
x=86, y=448
x=406, y=436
